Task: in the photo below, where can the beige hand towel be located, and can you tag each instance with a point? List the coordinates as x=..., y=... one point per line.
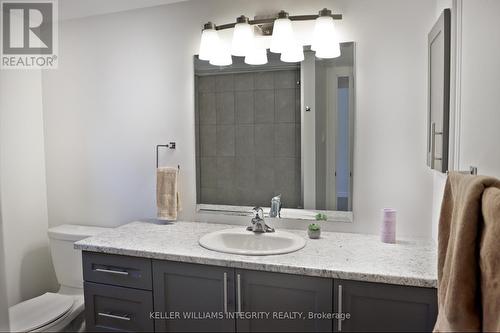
x=167, y=193
x=460, y=224
x=489, y=260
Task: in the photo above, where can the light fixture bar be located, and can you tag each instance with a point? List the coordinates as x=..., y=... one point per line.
x=271, y=20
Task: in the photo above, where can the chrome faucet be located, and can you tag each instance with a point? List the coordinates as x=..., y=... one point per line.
x=258, y=223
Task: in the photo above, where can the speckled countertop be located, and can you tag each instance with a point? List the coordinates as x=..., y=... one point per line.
x=335, y=255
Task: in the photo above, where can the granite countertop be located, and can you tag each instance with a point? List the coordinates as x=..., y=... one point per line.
x=336, y=255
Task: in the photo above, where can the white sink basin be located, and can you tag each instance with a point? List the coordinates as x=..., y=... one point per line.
x=241, y=241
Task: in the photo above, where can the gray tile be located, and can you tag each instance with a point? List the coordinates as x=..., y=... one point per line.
x=297, y=106
x=264, y=140
x=298, y=140
x=197, y=141
x=245, y=172
x=225, y=172
x=206, y=84
x=198, y=179
x=245, y=145
x=264, y=180
x=244, y=107
x=208, y=172
x=227, y=196
x=208, y=196
x=225, y=108
x=264, y=80
x=285, y=79
x=208, y=140
x=285, y=106
x=284, y=140
x=284, y=170
x=243, y=81
x=224, y=83
x=264, y=106
x=225, y=140
x=206, y=105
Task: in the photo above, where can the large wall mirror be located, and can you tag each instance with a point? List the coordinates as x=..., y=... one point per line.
x=276, y=129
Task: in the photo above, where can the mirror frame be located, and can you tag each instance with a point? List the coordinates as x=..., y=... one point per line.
x=292, y=213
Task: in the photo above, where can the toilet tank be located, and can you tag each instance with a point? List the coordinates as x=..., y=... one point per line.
x=66, y=260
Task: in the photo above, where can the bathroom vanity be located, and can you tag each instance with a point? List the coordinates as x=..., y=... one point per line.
x=145, y=277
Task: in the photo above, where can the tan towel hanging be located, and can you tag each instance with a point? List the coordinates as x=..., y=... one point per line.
x=167, y=193
x=463, y=302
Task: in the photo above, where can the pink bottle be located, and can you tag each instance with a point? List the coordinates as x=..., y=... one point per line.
x=388, y=228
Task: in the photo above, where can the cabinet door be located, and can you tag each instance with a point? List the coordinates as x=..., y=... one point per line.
x=110, y=308
x=182, y=290
x=282, y=296
x=384, y=307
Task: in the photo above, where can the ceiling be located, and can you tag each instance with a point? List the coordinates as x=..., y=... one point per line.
x=72, y=9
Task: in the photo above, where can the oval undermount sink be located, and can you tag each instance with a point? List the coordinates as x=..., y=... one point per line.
x=241, y=241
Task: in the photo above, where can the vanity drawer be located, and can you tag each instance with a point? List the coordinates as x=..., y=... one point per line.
x=110, y=308
x=132, y=272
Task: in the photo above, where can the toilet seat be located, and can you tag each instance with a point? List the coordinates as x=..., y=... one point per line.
x=38, y=312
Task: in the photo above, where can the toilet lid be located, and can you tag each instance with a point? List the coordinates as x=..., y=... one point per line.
x=38, y=312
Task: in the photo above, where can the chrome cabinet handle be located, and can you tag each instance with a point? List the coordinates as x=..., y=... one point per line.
x=433, y=145
x=110, y=271
x=340, y=308
x=225, y=292
x=109, y=315
x=238, y=290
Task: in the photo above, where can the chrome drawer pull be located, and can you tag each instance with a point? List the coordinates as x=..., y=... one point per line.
x=225, y=292
x=110, y=271
x=238, y=290
x=108, y=315
x=340, y=308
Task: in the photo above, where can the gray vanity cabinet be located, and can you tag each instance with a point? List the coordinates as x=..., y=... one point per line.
x=181, y=288
x=117, y=291
x=111, y=308
x=283, y=297
x=125, y=293
x=189, y=289
x=384, y=307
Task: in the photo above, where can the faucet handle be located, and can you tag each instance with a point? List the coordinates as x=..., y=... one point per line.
x=259, y=212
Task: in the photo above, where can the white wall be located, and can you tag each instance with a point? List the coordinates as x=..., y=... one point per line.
x=28, y=266
x=125, y=83
x=4, y=306
x=476, y=102
x=480, y=100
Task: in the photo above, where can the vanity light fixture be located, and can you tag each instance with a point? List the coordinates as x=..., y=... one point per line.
x=242, y=37
x=282, y=39
x=209, y=41
x=258, y=52
x=325, y=41
x=293, y=53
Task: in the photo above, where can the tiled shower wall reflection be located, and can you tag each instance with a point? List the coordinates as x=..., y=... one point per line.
x=248, y=138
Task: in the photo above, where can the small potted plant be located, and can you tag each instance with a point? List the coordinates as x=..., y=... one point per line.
x=314, y=231
x=321, y=217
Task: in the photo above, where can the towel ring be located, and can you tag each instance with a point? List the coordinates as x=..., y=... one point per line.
x=171, y=145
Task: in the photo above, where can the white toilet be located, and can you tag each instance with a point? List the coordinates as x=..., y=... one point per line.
x=61, y=311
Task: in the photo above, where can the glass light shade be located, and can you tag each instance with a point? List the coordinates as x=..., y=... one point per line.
x=221, y=56
x=257, y=56
x=282, y=35
x=328, y=52
x=325, y=39
x=242, y=39
x=294, y=53
x=208, y=44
